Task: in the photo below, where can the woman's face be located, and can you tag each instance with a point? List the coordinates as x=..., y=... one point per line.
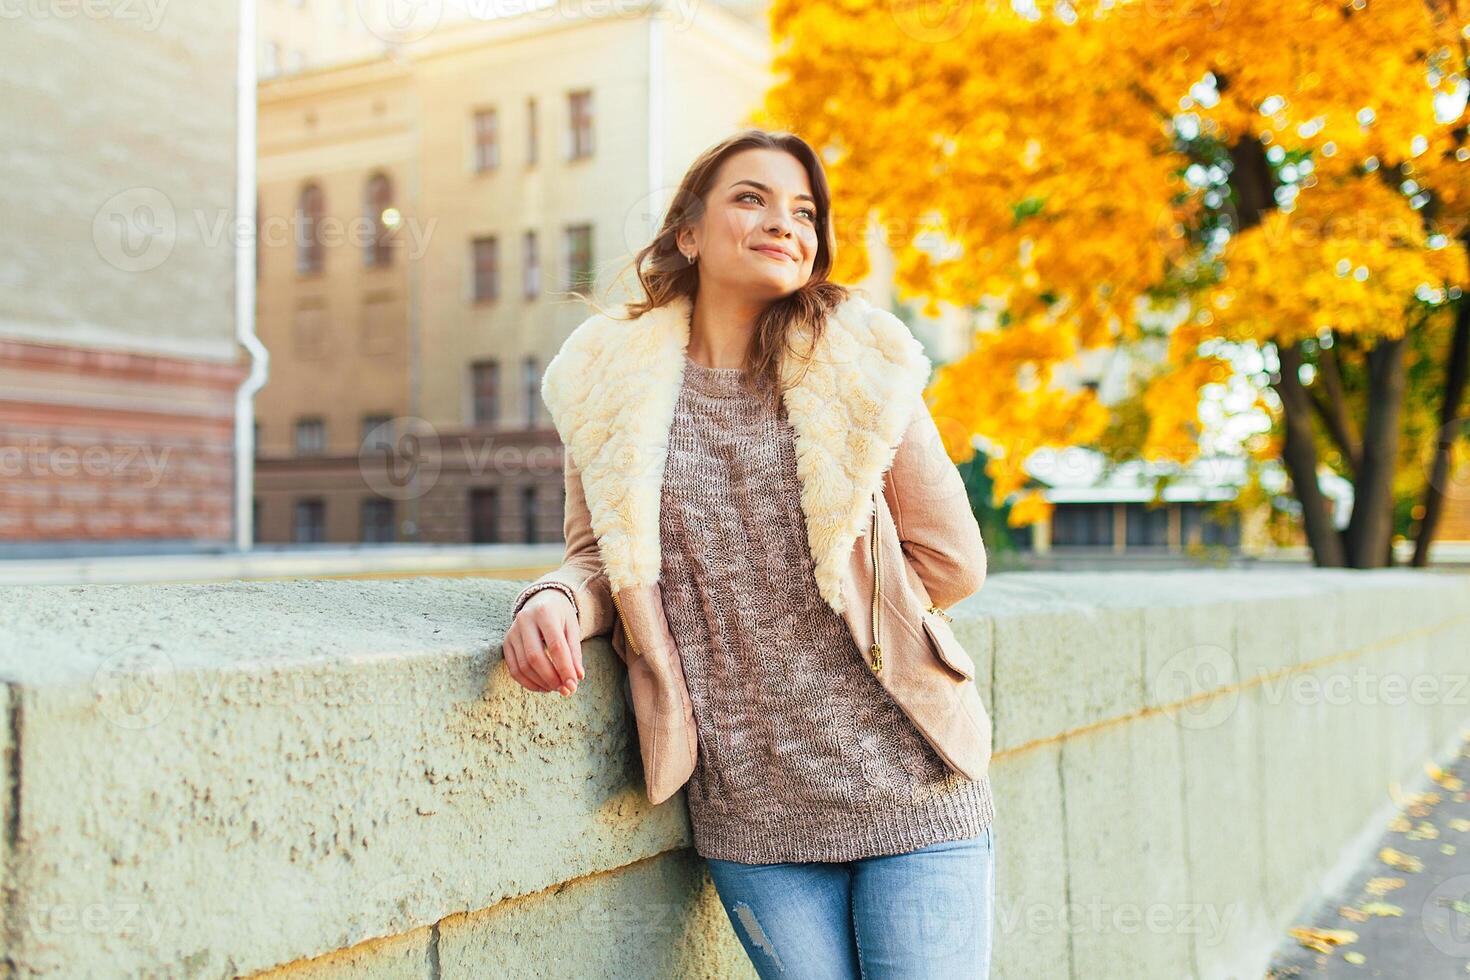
x=759, y=230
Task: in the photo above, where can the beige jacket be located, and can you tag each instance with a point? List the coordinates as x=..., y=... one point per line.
x=878, y=492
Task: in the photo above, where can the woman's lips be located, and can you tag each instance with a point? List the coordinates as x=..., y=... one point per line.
x=776, y=253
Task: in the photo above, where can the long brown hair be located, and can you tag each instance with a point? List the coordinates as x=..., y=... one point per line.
x=664, y=272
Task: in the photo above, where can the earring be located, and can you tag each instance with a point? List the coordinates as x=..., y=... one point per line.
x=690, y=258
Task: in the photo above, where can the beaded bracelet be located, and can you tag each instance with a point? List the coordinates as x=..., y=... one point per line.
x=532, y=589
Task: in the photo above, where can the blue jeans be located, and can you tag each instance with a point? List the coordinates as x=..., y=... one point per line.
x=926, y=913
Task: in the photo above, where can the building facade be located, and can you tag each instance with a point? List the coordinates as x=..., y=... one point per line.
x=119, y=357
x=424, y=217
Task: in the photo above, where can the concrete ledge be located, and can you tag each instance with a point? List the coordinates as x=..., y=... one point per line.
x=339, y=778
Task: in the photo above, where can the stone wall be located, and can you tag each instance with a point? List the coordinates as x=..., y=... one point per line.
x=339, y=778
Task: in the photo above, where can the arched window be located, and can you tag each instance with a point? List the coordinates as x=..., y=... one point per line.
x=381, y=219
x=310, y=209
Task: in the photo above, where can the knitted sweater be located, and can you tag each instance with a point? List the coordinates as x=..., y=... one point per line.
x=803, y=754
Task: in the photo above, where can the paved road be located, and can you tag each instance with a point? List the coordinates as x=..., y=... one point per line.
x=1405, y=913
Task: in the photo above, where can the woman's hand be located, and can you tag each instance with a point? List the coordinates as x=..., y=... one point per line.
x=543, y=648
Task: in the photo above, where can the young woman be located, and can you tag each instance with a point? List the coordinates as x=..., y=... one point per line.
x=761, y=514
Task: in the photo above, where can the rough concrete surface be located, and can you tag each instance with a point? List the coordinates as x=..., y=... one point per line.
x=339, y=778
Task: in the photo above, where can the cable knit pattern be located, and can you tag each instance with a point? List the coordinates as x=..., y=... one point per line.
x=803, y=755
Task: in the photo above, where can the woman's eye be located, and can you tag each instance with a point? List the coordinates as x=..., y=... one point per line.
x=810, y=214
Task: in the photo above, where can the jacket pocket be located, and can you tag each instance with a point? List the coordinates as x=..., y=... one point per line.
x=947, y=646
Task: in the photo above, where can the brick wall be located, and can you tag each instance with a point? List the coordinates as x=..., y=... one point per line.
x=98, y=445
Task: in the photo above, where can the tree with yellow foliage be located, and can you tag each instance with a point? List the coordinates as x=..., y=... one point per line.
x=1290, y=175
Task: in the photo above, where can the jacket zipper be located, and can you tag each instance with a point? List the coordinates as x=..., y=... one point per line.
x=877, y=650
x=623, y=622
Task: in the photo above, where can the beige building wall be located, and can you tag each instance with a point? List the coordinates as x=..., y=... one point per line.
x=502, y=70
x=302, y=35
x=339, y=339
x=118, y=356
x=662, y=91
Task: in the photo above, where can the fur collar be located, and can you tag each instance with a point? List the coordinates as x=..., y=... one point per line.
x=613, y=386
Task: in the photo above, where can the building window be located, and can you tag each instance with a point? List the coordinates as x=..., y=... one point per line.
x=485, y=382
x=531, y=138
x=377, y=520
x=311, y=521
x=1147, y=527
x=487, y=140
x=256, y=431
x=270, y=60
x=381, y=220
x=311, y=437
x=531, y=266
x=309, y=331
x=486, y=257
x=1082, y=525
x=579, y=257
x=381, y=324
x=485, y=516
x=580, y=125
x=310, y=209
x=377, y=432
x=531, y=377
x=1199, y=526
x=529, y=517
x=255, y=520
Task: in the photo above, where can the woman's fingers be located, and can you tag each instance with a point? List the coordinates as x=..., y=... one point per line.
x=574, y=643
x=558, y=655
x=536, y=663
x=515, y=660
x=543, y=649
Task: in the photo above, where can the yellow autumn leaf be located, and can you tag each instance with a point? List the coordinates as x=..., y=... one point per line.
x=1382, y=909
x=1398, y=859
x=1382, y=886
x=1424, y=830
x=1322, y=940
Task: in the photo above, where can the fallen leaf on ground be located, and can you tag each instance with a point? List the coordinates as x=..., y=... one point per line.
x=1425, y=831
x=1322, y=940
x=1382, y=886
x=1382, y=909
x=1398, y=859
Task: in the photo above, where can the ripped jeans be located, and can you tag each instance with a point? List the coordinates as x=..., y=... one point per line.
x=924, y=913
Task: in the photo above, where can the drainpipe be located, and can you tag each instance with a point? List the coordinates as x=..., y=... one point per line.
x=245, y=177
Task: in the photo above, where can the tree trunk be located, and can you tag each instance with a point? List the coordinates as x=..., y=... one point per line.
x=1454, y=391
x=1300, y=456
x=1370, y=530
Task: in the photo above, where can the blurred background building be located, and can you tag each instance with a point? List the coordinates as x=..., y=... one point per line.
x=422, y=212
x=120, y=362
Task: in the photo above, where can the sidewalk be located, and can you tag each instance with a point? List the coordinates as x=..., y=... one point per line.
x=1405, y=912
